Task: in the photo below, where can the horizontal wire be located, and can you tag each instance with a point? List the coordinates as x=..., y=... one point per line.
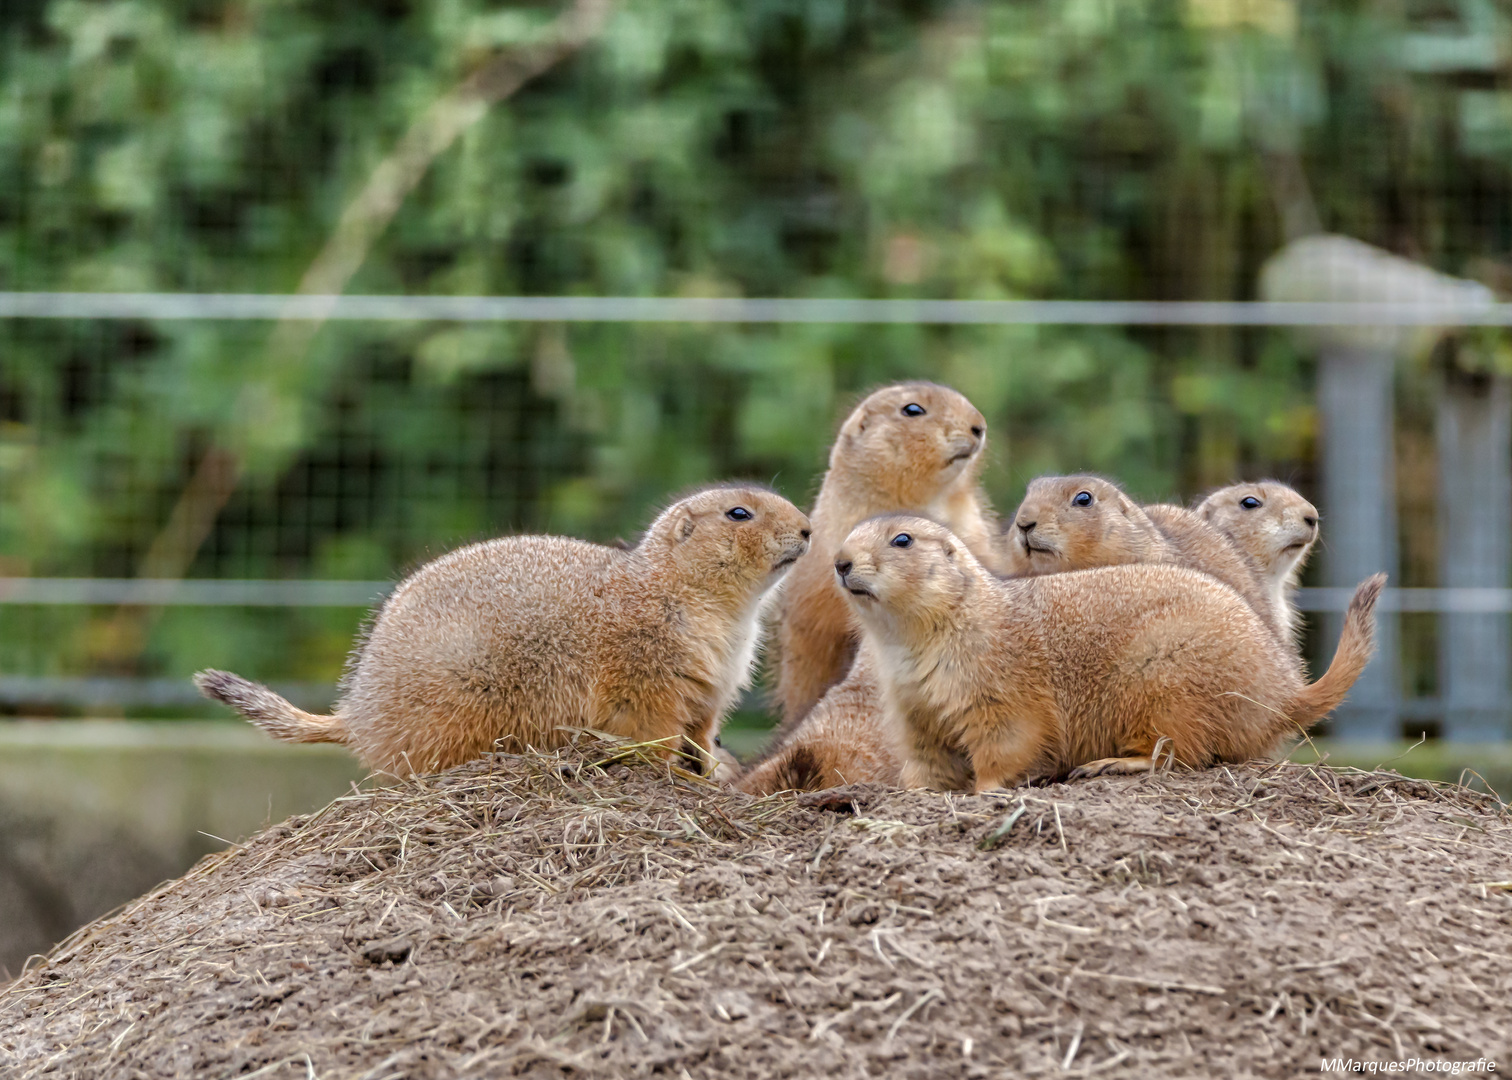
x=1462, y=601
x=244, y=592
x=698, y=309
x=128, y=691
x=170, y=592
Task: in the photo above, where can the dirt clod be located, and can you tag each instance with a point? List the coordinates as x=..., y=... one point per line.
x=540, y=916
x=395, y=950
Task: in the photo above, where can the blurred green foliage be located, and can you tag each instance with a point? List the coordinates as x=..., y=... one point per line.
x=1013, y=148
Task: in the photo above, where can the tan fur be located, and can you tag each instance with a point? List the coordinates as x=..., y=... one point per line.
x=1275, y=538
x=987, y=682
x=1051, y=534
x=841, y=740
x=506, y=642
x=881, y=462
x=1199, y=545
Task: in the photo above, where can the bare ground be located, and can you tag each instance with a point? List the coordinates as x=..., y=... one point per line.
x=544, y=916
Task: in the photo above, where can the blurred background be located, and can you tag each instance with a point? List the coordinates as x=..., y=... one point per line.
x=157, y=156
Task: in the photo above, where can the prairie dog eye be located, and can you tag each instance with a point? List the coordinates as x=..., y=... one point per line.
x=902, y=540
x=739, y=513
x=1249, y=502
x=913, y=408
x=1082, y=498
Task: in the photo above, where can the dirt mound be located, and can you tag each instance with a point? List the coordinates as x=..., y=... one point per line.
x=544, y=916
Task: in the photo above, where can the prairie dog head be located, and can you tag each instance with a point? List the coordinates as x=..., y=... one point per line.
x=1269, y=522
x=732, y=541
x=900, y=571
x=1077, y=523
x=907, y=445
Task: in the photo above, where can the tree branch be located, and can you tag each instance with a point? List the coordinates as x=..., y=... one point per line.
x=363, y=221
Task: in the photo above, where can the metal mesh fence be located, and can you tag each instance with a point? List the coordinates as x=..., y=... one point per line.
x=308, y=293
x=398, y=465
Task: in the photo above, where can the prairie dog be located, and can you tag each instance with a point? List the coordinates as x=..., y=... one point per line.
x=988, y=682
x=504, y=642
x=842, y=740
x=1199, y=545
x=1082, y=522
x=914, y=446
x=1274, y=528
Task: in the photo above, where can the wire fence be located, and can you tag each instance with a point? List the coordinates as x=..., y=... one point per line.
x=547, y=310
x=399, y=464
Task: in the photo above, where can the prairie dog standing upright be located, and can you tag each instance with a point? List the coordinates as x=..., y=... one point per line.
x=509, y=640
x=1083, y=522
x=914, y=446
x=988, y=682
x=1274, y=528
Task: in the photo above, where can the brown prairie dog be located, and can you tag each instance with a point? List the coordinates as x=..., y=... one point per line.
x=914, y=446
x=1274, y=528
x=842, y=740
x=988, y=682
x=507, y=641
x=1082, y=522
x=1199, y=545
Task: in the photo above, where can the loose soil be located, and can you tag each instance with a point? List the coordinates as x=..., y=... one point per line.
x=592, y=913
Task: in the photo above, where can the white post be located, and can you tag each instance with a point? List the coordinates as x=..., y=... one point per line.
x=1358, y=500
x=1359, y=519
x=1475, y=551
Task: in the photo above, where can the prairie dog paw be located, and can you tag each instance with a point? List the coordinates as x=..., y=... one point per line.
x=1112, y=766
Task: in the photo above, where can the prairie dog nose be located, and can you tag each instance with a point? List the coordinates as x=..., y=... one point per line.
x=976, y=430
x=1026, y=525
x=843, y=566
x=804, y=533
x=1310, y=521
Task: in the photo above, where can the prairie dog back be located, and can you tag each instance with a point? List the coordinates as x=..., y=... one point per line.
x=516, y=613
x=1197, y=544
x=508, y=641
x=1274, y=528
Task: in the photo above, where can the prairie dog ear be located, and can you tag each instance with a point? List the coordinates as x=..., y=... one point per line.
x=685, y=526
x=948, y=548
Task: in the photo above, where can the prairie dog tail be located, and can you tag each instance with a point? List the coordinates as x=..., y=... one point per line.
x=1356, y=646
x=267, y=710
x=791, y=768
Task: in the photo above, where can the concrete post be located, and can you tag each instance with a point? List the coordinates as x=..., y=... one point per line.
x=1475, y=551
x=1359, y=518
x=1358, y=500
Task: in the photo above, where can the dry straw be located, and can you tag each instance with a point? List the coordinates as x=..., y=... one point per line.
x=601, y=912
